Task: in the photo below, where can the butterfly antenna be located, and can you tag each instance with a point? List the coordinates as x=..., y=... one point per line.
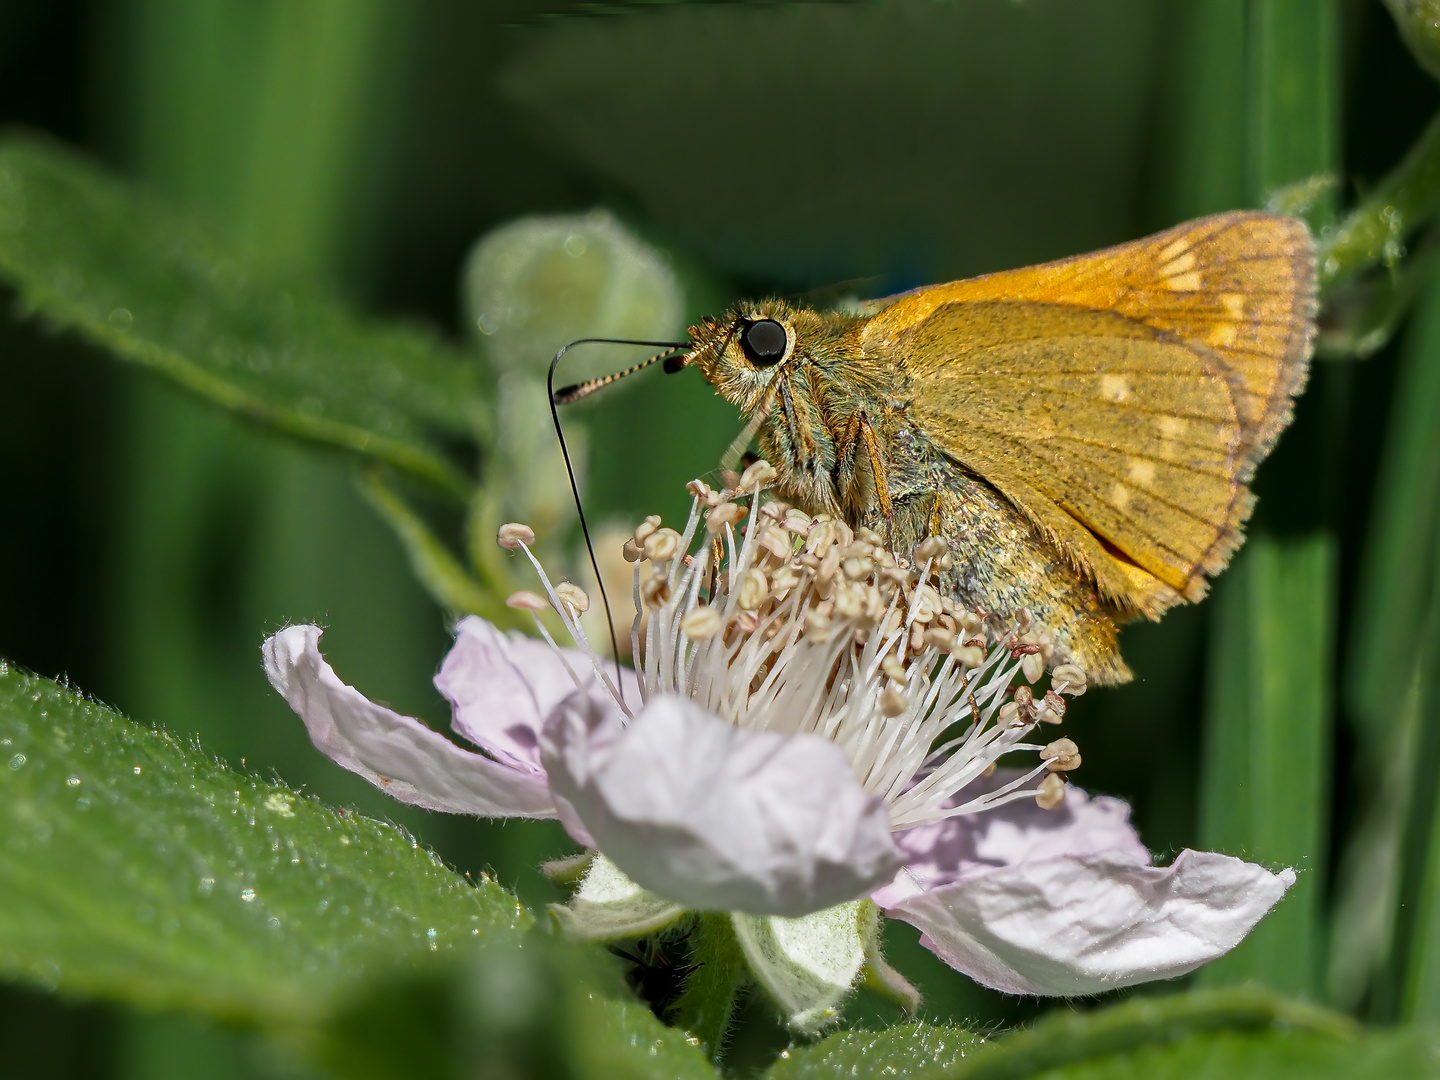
x=569, y=394
x=575, y=393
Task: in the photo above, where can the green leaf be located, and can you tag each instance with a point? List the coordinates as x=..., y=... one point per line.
x=91, y=254
x=903, y=1050
x=1394, y=1055
x=135, y=868
x=546, y=1009
x=1106, y=1037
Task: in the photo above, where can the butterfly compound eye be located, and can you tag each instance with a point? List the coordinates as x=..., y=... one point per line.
x=764, y=342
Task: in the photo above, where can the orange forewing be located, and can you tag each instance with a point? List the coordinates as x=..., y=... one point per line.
x=1121, y=399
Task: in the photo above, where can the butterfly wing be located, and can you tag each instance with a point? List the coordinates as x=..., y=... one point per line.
x=1121, y=399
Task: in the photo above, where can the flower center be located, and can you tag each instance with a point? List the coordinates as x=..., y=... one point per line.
x=800, y=625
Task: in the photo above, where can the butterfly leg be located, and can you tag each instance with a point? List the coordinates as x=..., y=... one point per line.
x=859, y=430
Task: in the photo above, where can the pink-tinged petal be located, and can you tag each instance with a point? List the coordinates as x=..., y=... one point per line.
x=401, y=756
x=717, y=817
x=505, y=686
x=963, y=847
x=1067, y=926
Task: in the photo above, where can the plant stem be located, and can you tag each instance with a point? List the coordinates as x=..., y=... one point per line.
x=442, y=575
x=1264, y=790
x=1375, y=230
x=708, y=1003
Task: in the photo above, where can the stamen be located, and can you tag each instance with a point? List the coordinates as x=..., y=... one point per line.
x=801, y=625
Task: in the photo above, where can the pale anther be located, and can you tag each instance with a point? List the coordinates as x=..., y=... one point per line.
x=1062, y=755
x=1032, y=666
x=893, y=668
x=1050, y=795
x=753, y=589
x=512, y=534
x=926, y=604
x=1068, y=679
x=722, y=514
x=661, y=545
x=525, y=600
x=645, y=528
x=932, y=547
x=1053, y=710
x=797, y=521
x=969, y=656
x=702, y=623
x=938, y=637
x=776, y=541
x=655, y=591
x=849, y=600
x=631, y=551
x=758, y=474
x=858, y=569
x=892, y=702
x=572, y=595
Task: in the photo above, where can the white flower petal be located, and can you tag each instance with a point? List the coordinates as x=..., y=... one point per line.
x=401, y=756
x=1068, y=926
x=718, y=817
x=504, y=687
x=963, y=847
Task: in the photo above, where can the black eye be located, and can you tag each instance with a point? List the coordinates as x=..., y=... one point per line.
x=764, y=342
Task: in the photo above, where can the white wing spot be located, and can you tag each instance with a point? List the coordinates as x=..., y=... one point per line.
x=1234, y=304
x=1171, y=427
x=1223, y=335
x=1114, y=387
x=1120, y=496
x=1142, y=471
x=1184, y=282
x=1174, y=249
x=1179, y=265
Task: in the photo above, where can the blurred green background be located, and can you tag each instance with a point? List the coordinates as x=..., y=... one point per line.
x=151, y=542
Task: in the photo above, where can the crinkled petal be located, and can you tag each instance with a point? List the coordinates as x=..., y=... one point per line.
x=401, y=756
x=504, y=687
x=718, y=817
x=959, y=848
x=1066, y=926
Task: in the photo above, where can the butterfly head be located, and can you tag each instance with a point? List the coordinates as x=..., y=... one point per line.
x=742, y=352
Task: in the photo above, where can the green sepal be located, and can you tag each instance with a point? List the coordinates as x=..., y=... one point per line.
x=610, y=907
x=808, y=965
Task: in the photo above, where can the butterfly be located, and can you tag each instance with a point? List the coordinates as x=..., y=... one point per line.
x=1080, y=433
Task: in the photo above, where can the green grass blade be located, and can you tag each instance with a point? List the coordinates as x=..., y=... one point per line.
x=1393, y=592
x=136, y=869
x=1264, y=789
x=90, y=254
x=1266, y=757
x=1416, y=947
x=1293, y=53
